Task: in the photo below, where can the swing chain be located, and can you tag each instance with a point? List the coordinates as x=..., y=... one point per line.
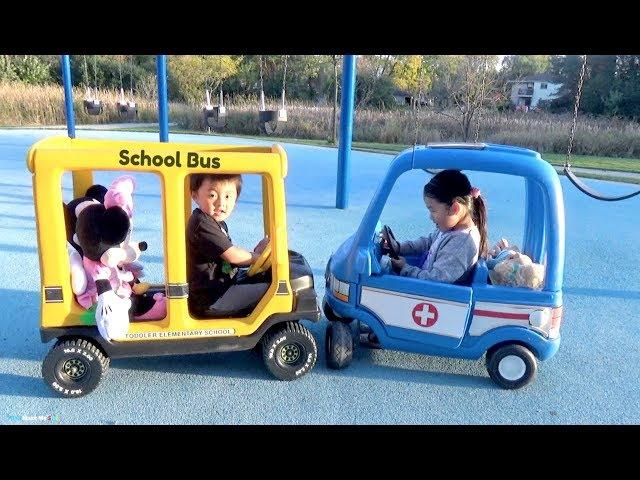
x=95, y=73
x=261, y=84
x=284, y=77
x=484, y=76
x=416, y=105
x=87, y=81
x=131, y=79
x=575, y=110
x=120, y=72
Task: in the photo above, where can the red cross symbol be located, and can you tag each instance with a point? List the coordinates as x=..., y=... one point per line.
x=425, y=314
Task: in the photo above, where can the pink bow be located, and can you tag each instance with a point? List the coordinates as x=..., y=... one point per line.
x=475, y=192
x=120, y=194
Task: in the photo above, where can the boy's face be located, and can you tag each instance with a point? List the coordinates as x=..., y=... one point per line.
x=216, y=199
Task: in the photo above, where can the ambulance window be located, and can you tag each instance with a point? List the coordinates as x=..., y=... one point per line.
x=504, y=195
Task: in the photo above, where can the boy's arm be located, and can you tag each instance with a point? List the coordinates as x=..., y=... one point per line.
x=452, y=259
x=239, y=256
x=418, y=246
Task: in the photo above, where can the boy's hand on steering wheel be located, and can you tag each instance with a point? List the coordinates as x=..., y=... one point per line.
x=262, y=244
x=398, y=264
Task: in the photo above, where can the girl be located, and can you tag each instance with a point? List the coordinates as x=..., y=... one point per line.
x=450, y=252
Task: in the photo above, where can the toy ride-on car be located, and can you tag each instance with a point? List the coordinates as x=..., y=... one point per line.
x=514, y=327
x=80, y=356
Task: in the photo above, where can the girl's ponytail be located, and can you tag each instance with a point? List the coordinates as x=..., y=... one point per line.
x=480, y=219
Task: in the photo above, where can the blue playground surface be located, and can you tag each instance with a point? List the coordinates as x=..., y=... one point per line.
x=593, y=379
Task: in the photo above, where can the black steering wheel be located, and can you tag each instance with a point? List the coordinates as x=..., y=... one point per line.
x=390, y=239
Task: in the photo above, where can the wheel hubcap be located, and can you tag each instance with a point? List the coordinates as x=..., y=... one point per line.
x=74, y=368
x=290, y=353
x=512, y=368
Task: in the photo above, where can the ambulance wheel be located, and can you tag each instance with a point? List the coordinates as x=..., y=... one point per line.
x=74, y=367
x=511, y=366
x=338, y=345
x=290, y=351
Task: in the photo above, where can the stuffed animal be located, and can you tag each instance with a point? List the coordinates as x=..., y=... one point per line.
x=78, y=275
x=508, y=267
x=103, y=235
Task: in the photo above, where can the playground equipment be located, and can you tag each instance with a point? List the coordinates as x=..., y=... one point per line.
x=580, y=185
x=215, y=117
x=127, y=109
x=271, y=119
x=80, y=356
x=513, y=326
x=92, y=104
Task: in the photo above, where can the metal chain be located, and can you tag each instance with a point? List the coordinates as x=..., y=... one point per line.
x=86, y=72
x=95, y=73
x=284, y=77
x=484, y=75
x=261, y=84
x=131, y=79
x=120, y=71
x=416, y=106
x=575, y=110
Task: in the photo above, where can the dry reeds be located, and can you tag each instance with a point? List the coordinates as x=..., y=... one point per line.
x=28, y=105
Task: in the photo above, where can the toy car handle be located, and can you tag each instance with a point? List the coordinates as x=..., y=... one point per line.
x=262, y=263
x=389, y=237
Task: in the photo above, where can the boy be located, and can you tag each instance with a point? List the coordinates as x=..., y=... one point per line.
x=211, y=256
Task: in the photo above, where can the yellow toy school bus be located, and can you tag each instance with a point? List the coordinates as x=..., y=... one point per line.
x=80, y=357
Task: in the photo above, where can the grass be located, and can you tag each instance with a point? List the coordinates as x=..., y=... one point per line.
x=598, y=163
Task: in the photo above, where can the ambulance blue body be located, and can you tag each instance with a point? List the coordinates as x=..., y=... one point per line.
x=514, y=327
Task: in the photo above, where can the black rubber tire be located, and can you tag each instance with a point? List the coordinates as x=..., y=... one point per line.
x=338, y=345
x=270, y=128
x=495, y=356
x=290, y=351
x=70, y=357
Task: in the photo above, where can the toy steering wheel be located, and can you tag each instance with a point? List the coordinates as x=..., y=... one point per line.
x=389, y=237
x=262, y=263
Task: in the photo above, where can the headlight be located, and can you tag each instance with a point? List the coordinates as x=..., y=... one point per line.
x=339, y=289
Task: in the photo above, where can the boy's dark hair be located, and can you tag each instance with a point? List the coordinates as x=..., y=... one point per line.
x=448, y=186
x=196, y=179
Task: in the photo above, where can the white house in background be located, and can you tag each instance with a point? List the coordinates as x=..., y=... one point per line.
x=527, y=92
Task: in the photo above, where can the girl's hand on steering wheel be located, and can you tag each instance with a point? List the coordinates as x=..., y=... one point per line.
x=397, y=264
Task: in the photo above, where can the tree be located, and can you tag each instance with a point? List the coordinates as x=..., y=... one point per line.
x=516, y=67
x=24, y=68
x=412, y=73
x=596, y=91
x=374, y=85
x=7, y=70
x=467, y=81
x=624, y=97
x=567, y=67
x=189, y=75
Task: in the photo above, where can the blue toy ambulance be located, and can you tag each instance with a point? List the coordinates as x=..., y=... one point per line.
x=514, y=327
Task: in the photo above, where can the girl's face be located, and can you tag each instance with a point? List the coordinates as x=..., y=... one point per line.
x=216, y=199
x=444, y=216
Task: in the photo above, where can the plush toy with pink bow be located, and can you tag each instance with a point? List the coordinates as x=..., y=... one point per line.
x=103, y=235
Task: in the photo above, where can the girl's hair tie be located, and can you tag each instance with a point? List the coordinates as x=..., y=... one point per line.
x=475, y=192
